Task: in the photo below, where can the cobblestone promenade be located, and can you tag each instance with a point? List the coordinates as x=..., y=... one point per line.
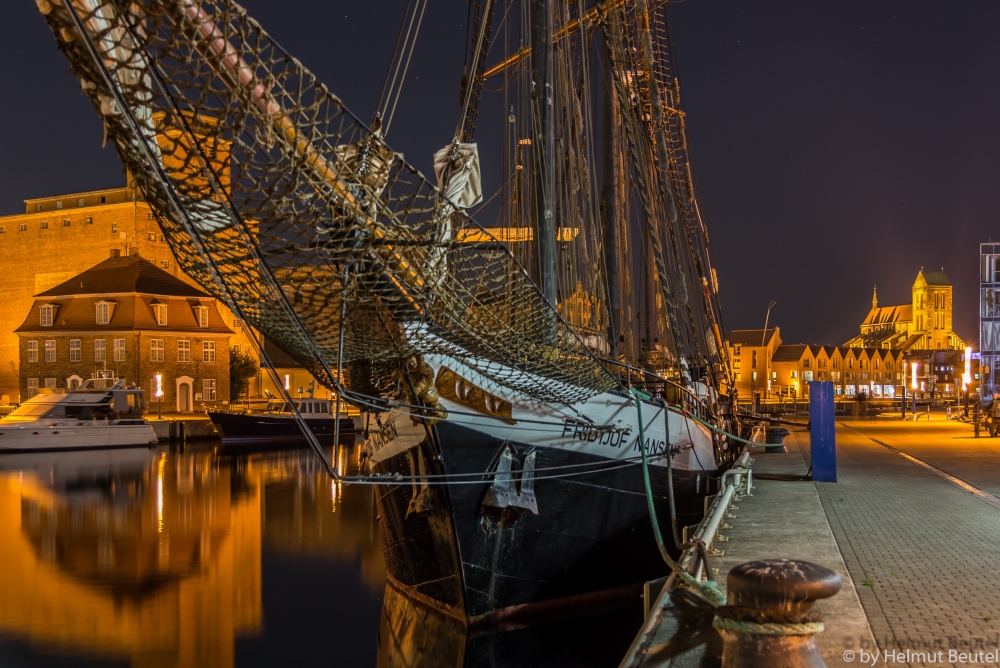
x=923, y=552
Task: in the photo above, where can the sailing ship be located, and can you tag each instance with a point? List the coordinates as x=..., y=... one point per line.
x=517, y=377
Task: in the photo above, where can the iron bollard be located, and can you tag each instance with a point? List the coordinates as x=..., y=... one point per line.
x=768, y=620
x=775, y=437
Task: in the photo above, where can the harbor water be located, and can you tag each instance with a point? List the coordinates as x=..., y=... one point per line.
x=208, y=557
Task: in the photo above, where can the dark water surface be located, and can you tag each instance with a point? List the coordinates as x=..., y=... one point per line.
x=151, y=557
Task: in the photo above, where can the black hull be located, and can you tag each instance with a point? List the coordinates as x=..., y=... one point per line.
x=251, y=428
x=592, y=531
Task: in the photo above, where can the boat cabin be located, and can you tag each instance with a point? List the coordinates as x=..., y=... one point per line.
x=85, y=402
x=307, y=407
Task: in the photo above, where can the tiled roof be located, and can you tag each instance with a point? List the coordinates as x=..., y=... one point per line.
x=886, y=315
x=789, y=352
x=122, y=275
x=750, y=337
x=936, y=278
x=129, y=312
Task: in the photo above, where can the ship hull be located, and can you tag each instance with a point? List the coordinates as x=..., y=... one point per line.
x=577, y=525
x=250, y=428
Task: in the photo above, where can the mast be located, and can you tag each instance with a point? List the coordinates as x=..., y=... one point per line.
x=609, y=202
x=541, y=144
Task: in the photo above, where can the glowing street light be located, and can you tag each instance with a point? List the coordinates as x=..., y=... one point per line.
x=158, y=393
x=287, y=383
x=913, y=376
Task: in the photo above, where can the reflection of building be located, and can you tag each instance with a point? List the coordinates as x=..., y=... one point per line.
x=155, y=558
x=923, y=324
x=161, y=566
x=128, y=315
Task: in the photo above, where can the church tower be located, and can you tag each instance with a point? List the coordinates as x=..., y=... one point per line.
x=875, y=298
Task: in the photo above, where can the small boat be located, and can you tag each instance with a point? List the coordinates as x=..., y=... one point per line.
x=277, y=422
x=87, y=416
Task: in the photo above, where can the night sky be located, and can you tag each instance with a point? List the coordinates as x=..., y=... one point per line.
x=837, y=145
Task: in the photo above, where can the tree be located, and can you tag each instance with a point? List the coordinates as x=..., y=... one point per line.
x=242, y=367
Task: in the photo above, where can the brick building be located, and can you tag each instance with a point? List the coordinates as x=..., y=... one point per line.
x=136, y=319
x=58, y=237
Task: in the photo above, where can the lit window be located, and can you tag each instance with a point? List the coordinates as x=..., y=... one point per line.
x=46, y=316
x=50, y=383
x=59, y=204
x=202, y=313
x=89, y=220
x=160, y=313
x=183, y=351
x=100, y=350
x=156, y=350
x=23, y=227
x=114, y=228
x=208, y=351
x=32, y=387
x=738, y=376
x=151, y=236
x=103, y=313
x=50, y=350
x=208, y=389
x=32, y=351
x=2, y=230
x=74, y=350
x=119, y=348
x=45, y=224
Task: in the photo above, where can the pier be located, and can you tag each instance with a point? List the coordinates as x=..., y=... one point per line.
x=907, y=526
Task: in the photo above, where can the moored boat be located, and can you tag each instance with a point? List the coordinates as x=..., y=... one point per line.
x=277, y=422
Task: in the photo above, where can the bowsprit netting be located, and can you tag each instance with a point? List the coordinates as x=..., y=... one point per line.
x=284, y=205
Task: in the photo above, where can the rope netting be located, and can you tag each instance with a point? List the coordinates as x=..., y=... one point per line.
x=283, y=205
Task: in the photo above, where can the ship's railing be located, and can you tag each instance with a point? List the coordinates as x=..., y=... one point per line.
x=673, y=392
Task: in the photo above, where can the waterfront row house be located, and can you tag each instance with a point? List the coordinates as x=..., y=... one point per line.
x=135, y=320
x=777, y=369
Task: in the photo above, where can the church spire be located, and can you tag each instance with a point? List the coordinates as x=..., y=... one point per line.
x=875, y=298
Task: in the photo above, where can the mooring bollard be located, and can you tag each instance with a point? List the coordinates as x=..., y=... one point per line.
x=775, y=437
x=768, y=620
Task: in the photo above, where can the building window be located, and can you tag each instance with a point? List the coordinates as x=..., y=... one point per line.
x=736, y=364
x=100, y=350
x=794, y=375
x=50, y=350
x=32, y=351
x=202, y=313
x=160, y=313
x=74, y=350
x=238, y=324
x=149, y=216
x=156, y=350
x=736, y=349
x=208, y=389
x=151, y=236
x=119, y=348
x=888, y=365
x=836, y=362
x=38, y=207
x=2, y=230
x=237, y=348
x=161, y=237
x=45, y=224
x=89, y=220
x=738, y=376
x=103, y=199
x=50, y=383
x=32, y=387
x=59, y=204
x=165, y=264
x=23, y=227
x=46, y=316
x=878, y=365
x=79, y=201
x=753, y=363
x=208, y=351
x=103, y=313
x=114, y=228
x=183, y=350
x=66, y=222
x=753, y=376
x=805, y=363
x=821, y=363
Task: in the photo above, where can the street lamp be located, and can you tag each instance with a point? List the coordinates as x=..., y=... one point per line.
x=158, y=393
x=914, y=385
x=763, y=340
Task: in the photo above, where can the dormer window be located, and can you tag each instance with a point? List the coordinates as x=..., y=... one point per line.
x=160, y=313
x=103, y=313
x=201, y=314
x=47, y=315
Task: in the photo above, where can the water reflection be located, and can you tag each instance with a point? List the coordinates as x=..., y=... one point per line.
x=149, y=557
x=155, y=558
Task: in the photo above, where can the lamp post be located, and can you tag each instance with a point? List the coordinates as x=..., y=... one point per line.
x=902, y=403
x=763, y=340
x=913, y=386
x=159, y=396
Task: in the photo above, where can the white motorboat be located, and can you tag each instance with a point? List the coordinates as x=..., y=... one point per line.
x=83, y=417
